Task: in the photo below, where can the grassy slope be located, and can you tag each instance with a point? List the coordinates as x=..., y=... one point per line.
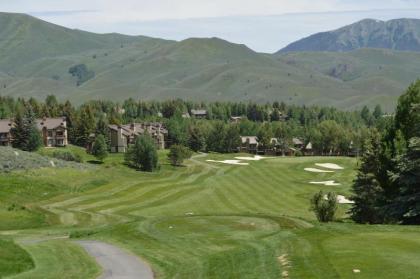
x=35, y=57
x=244, y=218
x=13, y=259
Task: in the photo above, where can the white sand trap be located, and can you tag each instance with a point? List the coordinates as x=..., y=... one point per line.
x=341, y=199
x=230, y=162
x=52, y=164
x=356, y=270
x=317, y=170
x=330, y=166
x=326, y=183
x=255, y=158
x=16, y=153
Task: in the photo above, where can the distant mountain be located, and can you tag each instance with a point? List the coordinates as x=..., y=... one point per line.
x=397, y=34
x=38, y=58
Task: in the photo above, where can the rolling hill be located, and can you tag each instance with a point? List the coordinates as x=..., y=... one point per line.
x=397, y=34
x=36, y=56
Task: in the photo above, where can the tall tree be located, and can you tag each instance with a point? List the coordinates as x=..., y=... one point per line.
x=366, y=188
x=100, y=148
x=25, y=134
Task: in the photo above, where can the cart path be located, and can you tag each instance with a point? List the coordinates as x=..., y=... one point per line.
x=115, y=262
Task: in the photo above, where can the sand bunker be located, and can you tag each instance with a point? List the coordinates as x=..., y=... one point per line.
x=230, y=162
x=342, y=199
x=326, y=183
x=329, y=166
x=317, y=170
x=255, y=158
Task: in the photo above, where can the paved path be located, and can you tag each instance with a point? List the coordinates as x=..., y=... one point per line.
x=116, y=263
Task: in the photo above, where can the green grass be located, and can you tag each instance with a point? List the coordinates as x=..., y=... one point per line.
x=13, y=259
x=59, y=259
x=208, y=220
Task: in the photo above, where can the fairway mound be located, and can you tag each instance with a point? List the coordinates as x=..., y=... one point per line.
x=317, y=170
x=326, y=183
x=230, y=162
x=255, y=158
x=329, y=166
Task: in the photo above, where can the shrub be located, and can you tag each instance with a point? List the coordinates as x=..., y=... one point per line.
x=67, y=155
x=324, y=206
x=178, y=153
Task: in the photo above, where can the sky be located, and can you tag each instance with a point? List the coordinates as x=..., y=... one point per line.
x=263, y=25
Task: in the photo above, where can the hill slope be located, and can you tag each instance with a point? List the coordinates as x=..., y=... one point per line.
x=398, y=34
x=36, y=56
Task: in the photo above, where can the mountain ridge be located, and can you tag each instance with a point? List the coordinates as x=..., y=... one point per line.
x=396, y=34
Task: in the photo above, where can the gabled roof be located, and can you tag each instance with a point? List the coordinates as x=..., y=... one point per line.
x=51, y=123
x=250, y=140
x=297, y=141
x=5, y=126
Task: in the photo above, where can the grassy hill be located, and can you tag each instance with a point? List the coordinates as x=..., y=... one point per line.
x=35, y=58
x=206, y=220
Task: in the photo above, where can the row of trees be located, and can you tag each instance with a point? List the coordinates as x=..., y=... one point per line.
x=330, y=131
x=387, y=187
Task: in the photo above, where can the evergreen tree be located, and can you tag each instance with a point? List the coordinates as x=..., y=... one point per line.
x=196, y=138
x=406, y=207
x=25, y=134
x=366, y=188
x=143, y=155
x=100, y=148
x=85, y=126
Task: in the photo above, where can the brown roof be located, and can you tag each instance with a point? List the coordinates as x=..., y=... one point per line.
x=51, y=123
x=5, y=126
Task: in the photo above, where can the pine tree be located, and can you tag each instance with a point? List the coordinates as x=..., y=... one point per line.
x=178, y=154
x=85, y=126
x=100, y=148
x=366, y=188
x=25, y=134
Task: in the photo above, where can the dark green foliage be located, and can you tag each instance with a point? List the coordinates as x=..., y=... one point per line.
x=25, y=134
x=324, y=206
x=82, y=73
x=142, y=155
x=197, y=138
x=366, y=187
x=100, y=148
x=223, y=138
x=406, y=117
x=407, y=176
x=178, y=153
x=84, y=126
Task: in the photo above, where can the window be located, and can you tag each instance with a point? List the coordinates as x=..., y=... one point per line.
x=50, y=142
x=60, y=142
x=50, y=133
x=59, y=133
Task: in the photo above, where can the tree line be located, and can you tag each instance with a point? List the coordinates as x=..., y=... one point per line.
x=330, y=130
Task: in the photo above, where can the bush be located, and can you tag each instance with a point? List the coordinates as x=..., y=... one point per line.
x=178, y=153
x=67, y=155
x=143, y=155
x=324, y=206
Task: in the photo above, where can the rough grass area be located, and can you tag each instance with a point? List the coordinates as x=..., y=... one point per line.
x=14, y=159
x=209, y=220
x=13, y=259
x=59, y=259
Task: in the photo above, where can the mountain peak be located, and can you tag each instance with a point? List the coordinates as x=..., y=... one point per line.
x=397, y=34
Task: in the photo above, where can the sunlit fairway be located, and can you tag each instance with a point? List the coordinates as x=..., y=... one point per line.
x=203, y=220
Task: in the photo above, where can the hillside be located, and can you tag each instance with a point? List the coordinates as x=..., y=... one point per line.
x=36, y=56
x=398, y=34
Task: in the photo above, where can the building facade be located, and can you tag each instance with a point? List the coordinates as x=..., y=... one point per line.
x=121, y=136
x=53, y=132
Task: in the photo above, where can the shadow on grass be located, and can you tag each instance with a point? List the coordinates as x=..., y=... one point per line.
x=95, y=162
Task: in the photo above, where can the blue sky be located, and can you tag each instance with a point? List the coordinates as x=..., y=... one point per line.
x=263, y=25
